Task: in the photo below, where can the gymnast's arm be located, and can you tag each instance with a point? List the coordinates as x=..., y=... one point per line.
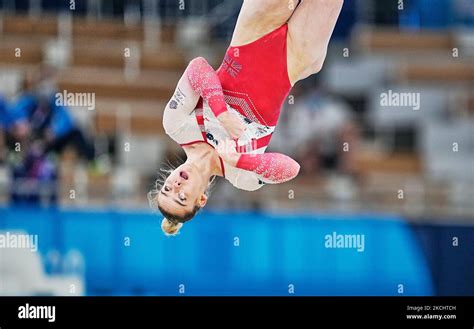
x=205, y=82
x=200, y=80
x=271, y=168
x=181, y=105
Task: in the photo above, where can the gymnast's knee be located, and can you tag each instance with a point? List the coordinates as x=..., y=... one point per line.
x=317, y=61
x=266, y=7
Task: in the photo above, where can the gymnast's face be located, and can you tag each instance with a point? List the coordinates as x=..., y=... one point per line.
x=183, y=190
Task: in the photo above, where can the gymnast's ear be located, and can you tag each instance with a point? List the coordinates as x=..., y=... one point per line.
x=202, y=200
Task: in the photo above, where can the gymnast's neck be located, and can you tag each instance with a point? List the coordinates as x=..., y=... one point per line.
x=205, y=158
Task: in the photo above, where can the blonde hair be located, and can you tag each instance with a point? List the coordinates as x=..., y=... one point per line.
x=171, y=224
x=170, y=228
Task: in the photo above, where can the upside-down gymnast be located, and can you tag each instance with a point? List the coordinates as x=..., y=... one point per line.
x=224, y=119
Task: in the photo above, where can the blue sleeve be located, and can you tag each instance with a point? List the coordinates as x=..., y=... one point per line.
x=61, y=121
x=3, y=114
x=22, y=108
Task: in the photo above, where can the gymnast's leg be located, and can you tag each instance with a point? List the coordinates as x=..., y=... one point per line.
x=259, y=17
x=310, y=29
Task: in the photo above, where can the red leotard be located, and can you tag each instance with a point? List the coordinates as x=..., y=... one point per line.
x=255, y=79
x=252, y=80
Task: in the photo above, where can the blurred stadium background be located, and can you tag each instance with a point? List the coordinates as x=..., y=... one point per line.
x=77, y=178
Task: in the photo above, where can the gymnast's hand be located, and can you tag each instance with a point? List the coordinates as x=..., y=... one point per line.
x=232, y=124
x=228, y=152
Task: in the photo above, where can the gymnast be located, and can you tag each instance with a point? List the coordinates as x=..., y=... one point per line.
x=224, y=119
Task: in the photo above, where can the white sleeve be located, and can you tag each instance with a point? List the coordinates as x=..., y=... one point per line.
x=179, y=113
x=241, y=179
